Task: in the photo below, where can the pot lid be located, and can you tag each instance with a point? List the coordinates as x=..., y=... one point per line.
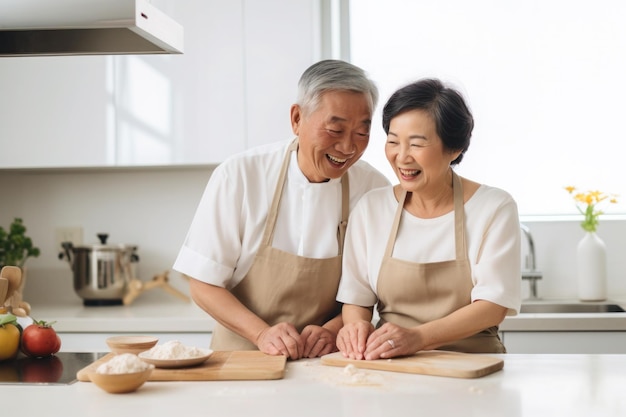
x=104, y=246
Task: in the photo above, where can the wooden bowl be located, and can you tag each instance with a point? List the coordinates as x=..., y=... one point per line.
x=131, y=344
x=121, y=383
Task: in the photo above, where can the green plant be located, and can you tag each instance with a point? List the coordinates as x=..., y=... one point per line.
x=15, y=246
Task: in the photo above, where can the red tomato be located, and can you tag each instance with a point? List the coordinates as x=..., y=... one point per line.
x=40, y=340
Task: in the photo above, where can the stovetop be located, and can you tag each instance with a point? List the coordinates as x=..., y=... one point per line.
x=59, y=369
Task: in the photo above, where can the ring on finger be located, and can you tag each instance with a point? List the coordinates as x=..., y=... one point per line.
x=391, y=343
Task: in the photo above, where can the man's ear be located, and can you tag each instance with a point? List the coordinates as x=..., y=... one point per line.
x=296, y=117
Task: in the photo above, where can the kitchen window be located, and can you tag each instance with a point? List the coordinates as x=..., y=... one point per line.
x=544, y=79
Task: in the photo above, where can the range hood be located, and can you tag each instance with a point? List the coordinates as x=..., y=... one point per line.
x=86, y=27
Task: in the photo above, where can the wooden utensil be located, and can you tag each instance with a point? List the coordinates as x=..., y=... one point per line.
x=14, y=275
x=221, y=366
x=136, y=287
x=4, y=287
x=432, y=362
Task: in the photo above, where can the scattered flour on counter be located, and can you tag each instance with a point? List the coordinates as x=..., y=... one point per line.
x=345, y=376
x=123, y=363
x=356, y=376
x=174, y=350
x=475, y=390
x=350, y=375
x=349, y=370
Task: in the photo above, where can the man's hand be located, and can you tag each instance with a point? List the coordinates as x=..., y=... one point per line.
x=281, y=339
x=318, y=341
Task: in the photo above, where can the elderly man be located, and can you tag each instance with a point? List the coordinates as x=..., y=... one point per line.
x=265, y=246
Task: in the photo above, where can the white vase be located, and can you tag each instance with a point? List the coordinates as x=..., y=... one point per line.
x=591, y=263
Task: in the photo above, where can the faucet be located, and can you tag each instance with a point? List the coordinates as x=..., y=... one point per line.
x=530, y=272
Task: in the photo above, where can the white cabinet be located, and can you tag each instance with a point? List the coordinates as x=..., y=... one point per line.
x=565, y=342
x=189, y=108
x=230, y=90
x=55, y=111
x=282, y=39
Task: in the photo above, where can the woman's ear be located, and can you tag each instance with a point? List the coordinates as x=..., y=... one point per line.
x=296, y=117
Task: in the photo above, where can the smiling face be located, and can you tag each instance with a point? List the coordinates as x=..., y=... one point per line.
x=334, y=135
x=416, y=153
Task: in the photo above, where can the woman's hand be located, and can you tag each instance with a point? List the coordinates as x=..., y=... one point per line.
x=352, y=338
x=391, y=340
x=281, y=339
x=318, y=341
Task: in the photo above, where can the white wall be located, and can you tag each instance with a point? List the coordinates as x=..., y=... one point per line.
x=149, y=208
x=533, y=73
x=232, y=45
x=555, y=245
x=153, y=209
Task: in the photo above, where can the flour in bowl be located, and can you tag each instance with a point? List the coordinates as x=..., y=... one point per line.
x=124, y=363
x=174, y=350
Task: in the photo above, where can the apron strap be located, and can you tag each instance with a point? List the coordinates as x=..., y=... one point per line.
x=394, y=226
x=345, y=211
x=459, y=220
x=272, y=215
x=268, y=234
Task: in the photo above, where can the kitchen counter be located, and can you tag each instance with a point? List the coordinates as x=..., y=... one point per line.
x=85, y=329
x=574, y=322
x=172, y=315
x=143, y=315
x=529, y=385
x=564, y=322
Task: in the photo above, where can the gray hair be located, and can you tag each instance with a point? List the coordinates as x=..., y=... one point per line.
x=333, y=74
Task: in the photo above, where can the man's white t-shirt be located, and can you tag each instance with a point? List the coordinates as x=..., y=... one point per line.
x=228, y=225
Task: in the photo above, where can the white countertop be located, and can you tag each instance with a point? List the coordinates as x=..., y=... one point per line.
x=172, y=315
x=562, y=322
x=567, y=321
x=143, y=315
x=528, y=386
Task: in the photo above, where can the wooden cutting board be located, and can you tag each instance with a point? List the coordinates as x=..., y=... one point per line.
x=432, y=362
x=221, y=366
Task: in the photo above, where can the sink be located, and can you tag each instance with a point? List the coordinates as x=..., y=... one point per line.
x=548, y=307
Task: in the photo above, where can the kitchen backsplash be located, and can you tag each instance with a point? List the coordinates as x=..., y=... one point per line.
x=153, y=207
x=148, y=207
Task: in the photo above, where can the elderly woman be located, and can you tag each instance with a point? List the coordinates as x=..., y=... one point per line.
x=439, y=255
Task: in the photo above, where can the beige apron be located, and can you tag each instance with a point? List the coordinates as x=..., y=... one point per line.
x=411, y=293
x=283, y=287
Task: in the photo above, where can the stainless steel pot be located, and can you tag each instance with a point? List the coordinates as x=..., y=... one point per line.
x=101, y=271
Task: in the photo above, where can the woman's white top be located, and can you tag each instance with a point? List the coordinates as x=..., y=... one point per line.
x=493, y=245
x=228, y=225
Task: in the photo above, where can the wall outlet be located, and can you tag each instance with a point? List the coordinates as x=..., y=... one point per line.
x=69, y=234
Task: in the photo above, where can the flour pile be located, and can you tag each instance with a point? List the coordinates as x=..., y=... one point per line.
x=174, y=350
x=123, y=363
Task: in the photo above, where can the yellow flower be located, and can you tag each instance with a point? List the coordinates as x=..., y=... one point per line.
x=590, y=200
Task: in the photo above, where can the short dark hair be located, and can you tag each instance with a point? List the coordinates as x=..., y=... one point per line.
x=453, y=119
